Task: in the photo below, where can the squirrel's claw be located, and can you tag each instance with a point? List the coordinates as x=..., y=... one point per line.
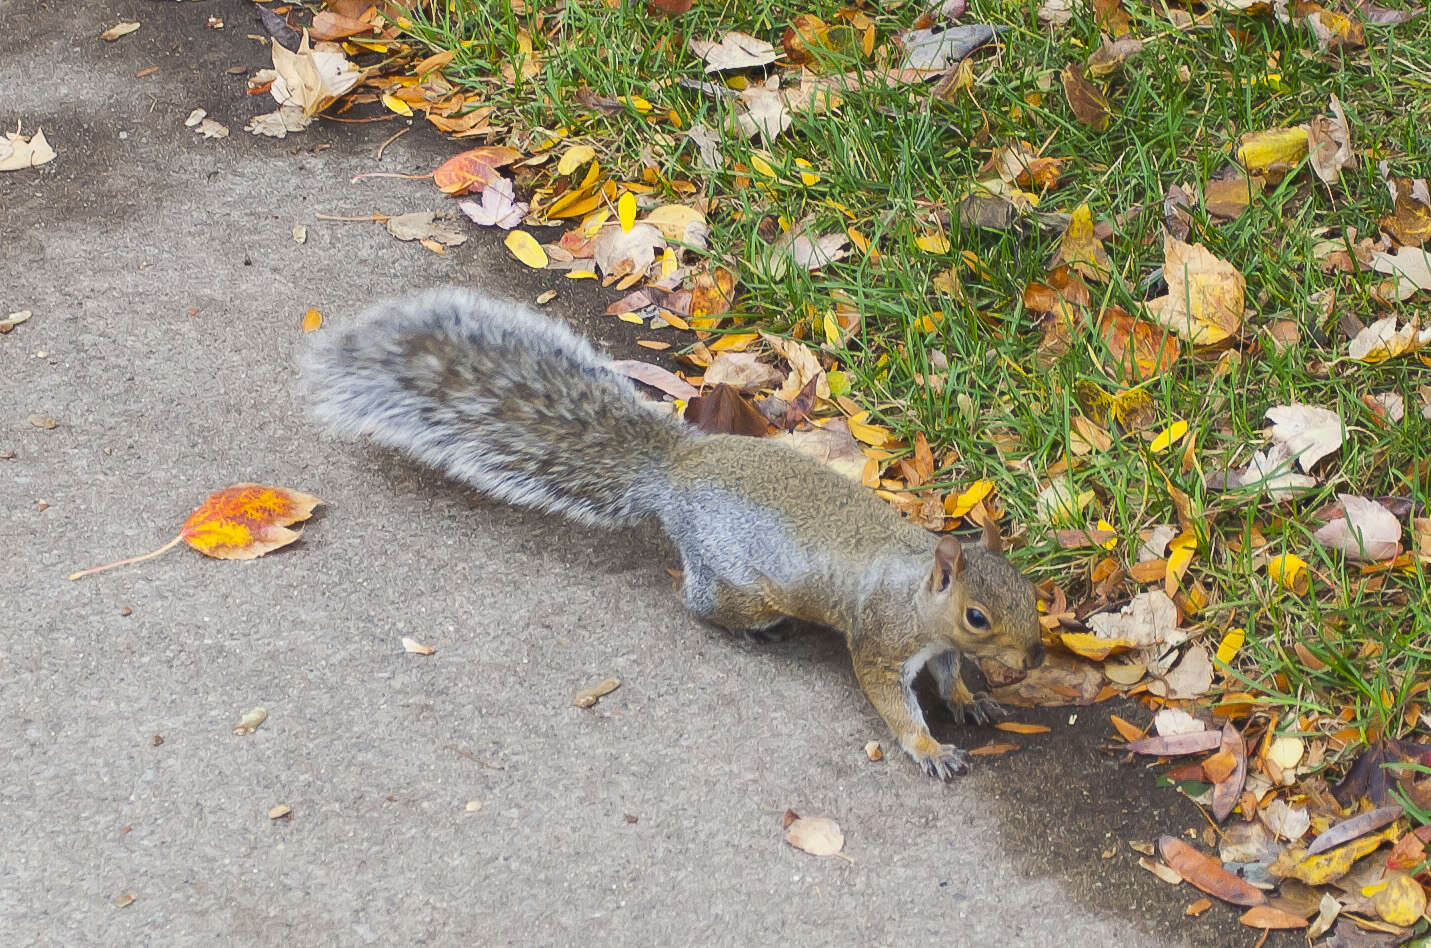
x=947, y=761
x=980, y=709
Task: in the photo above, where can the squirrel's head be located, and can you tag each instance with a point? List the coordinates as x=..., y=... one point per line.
x=986, y=608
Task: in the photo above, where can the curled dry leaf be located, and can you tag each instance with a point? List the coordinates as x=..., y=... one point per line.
x=416, y=647
x=1151, y=618
x=873, y=751
x=1207, y=874
x=816, y=835
x=1329, y=142
x=1190, y=678
x=312, y=78
x=426, y=225
x=1228, y=789
x=1171, y=721
x=1176, y=745
x=281, y=811
x=588, y=696
x=118, y=30
x=1367, y=531
x=251, y=721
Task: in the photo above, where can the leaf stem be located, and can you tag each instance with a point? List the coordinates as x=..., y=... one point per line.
x=133, y=559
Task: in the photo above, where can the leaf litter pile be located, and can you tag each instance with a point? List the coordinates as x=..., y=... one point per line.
x=1148, y=284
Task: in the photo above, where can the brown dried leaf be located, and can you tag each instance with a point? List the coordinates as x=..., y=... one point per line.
x=1088, y=104
x=588, y=696
x=1207, y=874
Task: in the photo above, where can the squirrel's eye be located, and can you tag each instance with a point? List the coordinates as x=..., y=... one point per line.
x=976, y=618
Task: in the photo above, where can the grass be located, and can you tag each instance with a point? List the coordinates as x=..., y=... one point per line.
x=892, y=162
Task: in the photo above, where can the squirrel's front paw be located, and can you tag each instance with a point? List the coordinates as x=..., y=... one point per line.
x=979, y=708
x=939, y=760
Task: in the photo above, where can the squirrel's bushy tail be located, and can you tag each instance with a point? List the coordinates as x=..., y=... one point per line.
x=497, y=396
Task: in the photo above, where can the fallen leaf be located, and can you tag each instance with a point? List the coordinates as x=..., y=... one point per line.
x=1087, y=103
x=1308, y=433
x=416, y=647
x=1176, y=745
x=474, y=169
x=1382, y=340
x=312, y=320
x=873, y=751
x=1329, y=143
x=526, y=249
x=1410, y=265
x=1205, y=294
x=1150, y=618
x=426, y=225
x=1265, y=916
x=280, y=811
x=588, y=696
x=251, y=721
x=311, y=78
x=1402, y=900
x=1367, y=531
x=1081, y=249
x=1198, y=907
x=1324, y=868
x=1227, y=791
x=1410, y=218
x=1207, y=874
x=816, y=835
x=499, y=207
x=118, y=30
x=656, y=377
x=17, y=151
x=1287, y=821
x=935, y=50
x=1259, y=151
x=734, y=50
x=1354, y=827
x=620, y=252
x=1016, y=727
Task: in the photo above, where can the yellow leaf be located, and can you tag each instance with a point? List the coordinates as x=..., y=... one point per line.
x=1205, y=294
x=1093, y=647
x=626, y=210
x=969, y=499
x=874, y=435
x=630, y=318
x=1231, y=642
x=932, y=243
x=1168, y=437
x=1325, y=867
x=312, y=320
x=1289, y=571
x=1259, y=150
x=668, y=263
x=1018, y=727
x=394, y=104
x=832, y=329
x=762, y=166
x=1107, y=527
x=1402, y=901
x=526, y=249
x=807, y=178
x=1181, y=550
x=637, y=103
x=574, y=157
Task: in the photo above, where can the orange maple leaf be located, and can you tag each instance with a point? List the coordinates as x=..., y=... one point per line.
x=237, y=523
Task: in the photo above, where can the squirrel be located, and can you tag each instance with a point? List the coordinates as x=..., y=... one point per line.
x=516, y=405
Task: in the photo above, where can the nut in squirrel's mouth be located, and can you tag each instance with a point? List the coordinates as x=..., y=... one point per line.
x=999, y=674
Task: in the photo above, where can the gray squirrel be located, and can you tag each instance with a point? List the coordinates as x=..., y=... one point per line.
x=508, y=401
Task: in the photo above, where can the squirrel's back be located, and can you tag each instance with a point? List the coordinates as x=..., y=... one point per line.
x=500, y=397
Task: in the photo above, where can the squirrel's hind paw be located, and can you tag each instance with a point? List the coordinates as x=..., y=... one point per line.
x=943, y=760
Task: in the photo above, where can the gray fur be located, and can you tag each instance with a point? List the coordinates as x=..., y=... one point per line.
x=500, y=397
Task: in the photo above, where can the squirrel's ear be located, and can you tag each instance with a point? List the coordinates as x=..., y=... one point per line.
x=992, y=541
x=948, y=564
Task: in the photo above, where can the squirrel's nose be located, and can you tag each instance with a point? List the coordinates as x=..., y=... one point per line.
x=1035, y=657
